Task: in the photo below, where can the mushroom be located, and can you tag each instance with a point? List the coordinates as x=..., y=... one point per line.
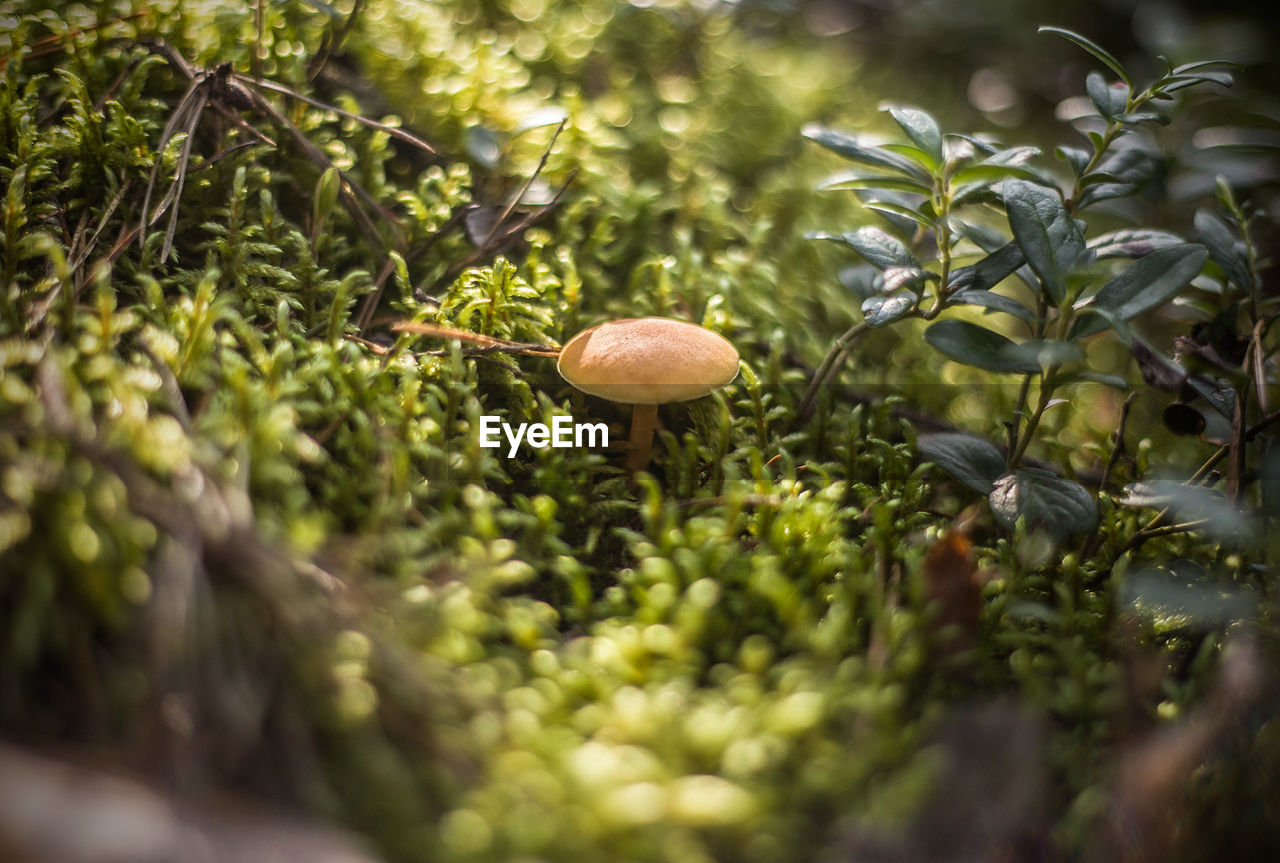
x=645, y=362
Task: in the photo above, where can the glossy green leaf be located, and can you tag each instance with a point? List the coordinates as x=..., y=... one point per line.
x=902, y=277
x=990, y=271
x=1173, y=83
x=1219, y=395
x=876, y=247
x=898, y=212
x=1200, y=65
x=970, y=460
x=1049, y=238
x=1132, y=242
x=1123, y=174
x=995, y=302
x=981, y=147
x=1044, y=501
x=1076, y=157
x=982, y=173
x=1049, y=352
x=854, y=180
x=921, y=128
x=1157, y=370
x=1226, y=249
x=863, y=280
x=888, y=203
x=924, y=160
x=1093, y=48
x=1110, y=101
x=847, y=146
x=977, y=346
x=1148, y=282
x=983, y=236
x=887, y=308
x=1078, y=376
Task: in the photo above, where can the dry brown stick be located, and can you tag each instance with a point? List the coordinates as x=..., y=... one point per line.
x=490, y=343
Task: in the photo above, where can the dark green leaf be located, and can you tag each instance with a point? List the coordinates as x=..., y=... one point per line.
x=986, y=238
x=915, y=154
x=854, y=180
x=1144, y=117
x=1049, y=352
x=862, y=279
x=1132, y=242
x=877, y=248
x=976, y=193
x=897, y=212
x=1157, y=370
x=1113, y=381
x=1147, y=283
x=981, y=147
x=977, y=346
x=990, y=271
x=987, y=174
x=999, y=166
x=1126, y=172
x=1012, y=156
x=1227, y=251
x=1110, y=101
x=887, y=203
x=995, y=302
x=1173, y=83
x=970, y=460
x=846, y=145
x=920, y=128
x=1220, y=395
x=887, y=308
x=901, y=277
x=1043, y=500
x=1204, y=64
x=1049, y=238
x=1077, y=158
x=1096, y=50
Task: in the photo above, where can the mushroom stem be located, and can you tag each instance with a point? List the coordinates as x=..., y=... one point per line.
x=644, y=418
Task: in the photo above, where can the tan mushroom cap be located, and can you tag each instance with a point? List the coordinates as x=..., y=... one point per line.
x=648, y=361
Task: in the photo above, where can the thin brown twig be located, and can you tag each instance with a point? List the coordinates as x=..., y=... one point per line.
x=52, y=44
x=524, y=189
x=1199, y=476
x=488, y=344
x=370, y=304
x=393, y=131
x=1117, y=446
x=829, y=368
x=334, y=41
x=507, y=237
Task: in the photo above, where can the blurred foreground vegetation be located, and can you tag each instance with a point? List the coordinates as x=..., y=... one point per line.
x=253, y=556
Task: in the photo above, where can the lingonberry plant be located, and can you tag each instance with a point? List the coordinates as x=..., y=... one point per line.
x=962, y=214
